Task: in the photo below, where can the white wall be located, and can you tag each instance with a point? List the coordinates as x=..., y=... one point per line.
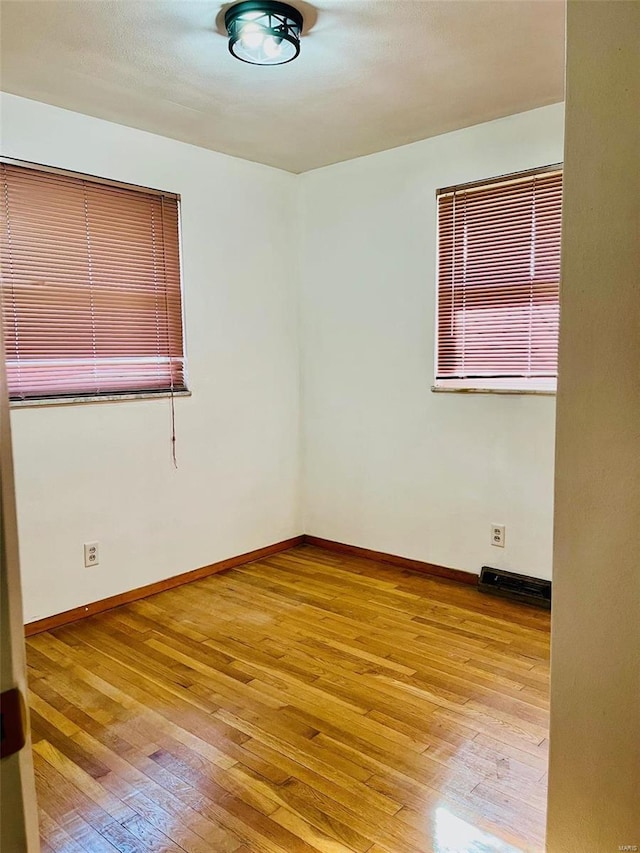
x=104, y=471
x=594, y=761
x=388, y=464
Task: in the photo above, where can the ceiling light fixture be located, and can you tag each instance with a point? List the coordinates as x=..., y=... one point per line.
x=263, y=32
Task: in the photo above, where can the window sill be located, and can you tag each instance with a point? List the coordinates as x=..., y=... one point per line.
x=488, y=388
x=106, y=398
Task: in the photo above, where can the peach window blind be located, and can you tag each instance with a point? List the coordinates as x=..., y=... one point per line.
x=90, y=286
x=498, y=279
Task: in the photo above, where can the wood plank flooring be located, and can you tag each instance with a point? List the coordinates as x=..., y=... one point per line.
x=306, y=702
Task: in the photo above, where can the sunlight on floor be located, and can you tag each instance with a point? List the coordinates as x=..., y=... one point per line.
x=454, y=835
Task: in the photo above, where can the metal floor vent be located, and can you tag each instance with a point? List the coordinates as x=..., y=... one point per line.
x=517, y=587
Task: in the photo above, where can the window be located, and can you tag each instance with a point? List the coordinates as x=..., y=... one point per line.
x=498, y=283
x=90, y=286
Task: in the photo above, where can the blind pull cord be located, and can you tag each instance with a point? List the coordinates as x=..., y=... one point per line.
x=166, y=304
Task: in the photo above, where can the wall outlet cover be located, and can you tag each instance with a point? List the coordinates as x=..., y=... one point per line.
x=498, y=535
x=91, y=554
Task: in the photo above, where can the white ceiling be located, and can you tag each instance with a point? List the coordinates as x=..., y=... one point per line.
x=371, y=75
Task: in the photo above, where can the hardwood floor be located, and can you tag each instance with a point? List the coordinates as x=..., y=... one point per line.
x=306, y=702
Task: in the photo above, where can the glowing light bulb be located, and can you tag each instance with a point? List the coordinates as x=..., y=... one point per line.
x=272, y=47
x=263, y=32
x=252, y=36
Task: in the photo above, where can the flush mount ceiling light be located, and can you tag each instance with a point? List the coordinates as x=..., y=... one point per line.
x=263, y=32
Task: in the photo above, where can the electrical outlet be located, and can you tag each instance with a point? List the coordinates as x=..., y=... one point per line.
x=497, y=535
x=91, y=554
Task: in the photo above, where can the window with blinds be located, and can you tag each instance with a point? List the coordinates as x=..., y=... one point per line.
x=90, y=286
x=498, y=283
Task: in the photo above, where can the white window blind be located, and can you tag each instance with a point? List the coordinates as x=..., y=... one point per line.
x=498, y=282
